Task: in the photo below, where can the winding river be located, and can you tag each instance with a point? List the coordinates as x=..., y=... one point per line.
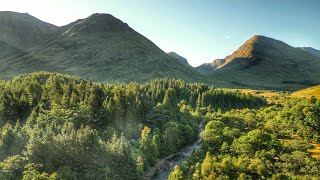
x=182, y=155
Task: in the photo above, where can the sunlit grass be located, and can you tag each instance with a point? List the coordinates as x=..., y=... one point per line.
x=308, y=93
x=270, y=96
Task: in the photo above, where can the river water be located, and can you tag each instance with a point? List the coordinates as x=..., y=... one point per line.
x=183, y=155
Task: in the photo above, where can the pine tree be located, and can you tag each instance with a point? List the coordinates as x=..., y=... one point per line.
x=147, y=145
x=8, y=107
x=140, y=166
x=207, y=165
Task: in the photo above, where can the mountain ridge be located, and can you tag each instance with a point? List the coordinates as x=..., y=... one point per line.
x=103, y=48
x=311, y=50
x=209, y=67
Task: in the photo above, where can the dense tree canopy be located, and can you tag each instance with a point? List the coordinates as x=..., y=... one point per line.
x=55, y=126
x=271, y=142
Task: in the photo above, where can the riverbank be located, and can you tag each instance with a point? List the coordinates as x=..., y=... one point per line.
x=155, y=169
x=178, y=158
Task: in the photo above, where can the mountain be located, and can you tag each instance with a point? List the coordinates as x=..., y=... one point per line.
x=179, y=58
x=308, y=92
x=99, y=47
x=205, y=68
x=311, y=50
x=263, y=62
x=218, y=62
x=209, y=67
x=21, y=30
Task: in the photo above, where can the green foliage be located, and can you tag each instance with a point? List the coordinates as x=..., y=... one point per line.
x=176, y=174
x=149, y=145
x=254, y=141
x=267, y=143
x=55, y=126
x=12, y=140
x=32, y=172
x=12, y=167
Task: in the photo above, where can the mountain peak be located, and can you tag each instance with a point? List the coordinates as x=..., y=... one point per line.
x=21, y=30
x=253, y=49
x=262, y=37
x=179, y=58
x=257, y=36
x=263, y=61
x=261, y=40
x=98, y=22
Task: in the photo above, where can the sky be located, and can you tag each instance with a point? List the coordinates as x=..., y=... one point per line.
x=199, y=30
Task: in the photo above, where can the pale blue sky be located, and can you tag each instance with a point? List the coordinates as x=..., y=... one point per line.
x=200, y=30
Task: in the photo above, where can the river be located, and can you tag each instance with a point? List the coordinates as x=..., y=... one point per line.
x=183, y=155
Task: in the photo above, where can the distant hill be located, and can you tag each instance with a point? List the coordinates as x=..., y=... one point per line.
x=205, y=68
x=99, y=47
x=209, y=67
x=266, y=63
x=308, y=93
x=179, y=58
x=311, y=50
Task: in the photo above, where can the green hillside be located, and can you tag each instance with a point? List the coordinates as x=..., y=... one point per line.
x=100, y=48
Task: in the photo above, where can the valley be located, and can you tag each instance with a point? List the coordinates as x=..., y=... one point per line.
x=95, y=99
x=57, y=126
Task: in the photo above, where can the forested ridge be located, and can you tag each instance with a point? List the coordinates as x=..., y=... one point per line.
x=56, y=126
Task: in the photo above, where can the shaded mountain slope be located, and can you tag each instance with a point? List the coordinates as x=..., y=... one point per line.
x=263, y=62
x=100, y=47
